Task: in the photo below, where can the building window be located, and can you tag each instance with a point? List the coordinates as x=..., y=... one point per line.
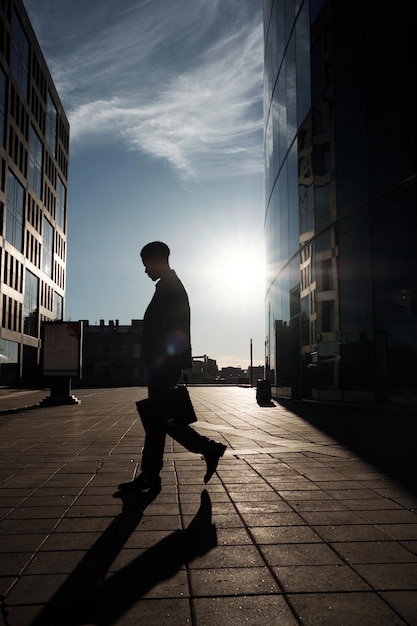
x=61, y=204
x=31, y=304
x=51, y=122
x=35, y=162
x=20, y=55
x=58, y=307
x=47, y=247
x=9, y=362
x=2, y=104
x=15, y=212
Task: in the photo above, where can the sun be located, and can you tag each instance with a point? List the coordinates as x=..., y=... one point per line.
x=235, y=274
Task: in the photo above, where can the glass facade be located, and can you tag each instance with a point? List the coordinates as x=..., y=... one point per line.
x=340, y=200
x=47, y=247
x=9, y=361
x=51, y=120
x=2, y=104
x=34, y=145
x=20, y=55
x=31, y=305
x=35, y=162
x=15, y=212
x=61, y=205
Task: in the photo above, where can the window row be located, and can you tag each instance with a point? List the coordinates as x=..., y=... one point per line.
x=12, y=272
x=51, y=242
x=11, y=314
x=132, y=350
x=42, y=104
x=14, y=313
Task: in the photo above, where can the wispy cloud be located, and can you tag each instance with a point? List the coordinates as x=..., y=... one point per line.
x=179, y=81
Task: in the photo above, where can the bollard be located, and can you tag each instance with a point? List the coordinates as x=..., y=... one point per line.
x=263, y=392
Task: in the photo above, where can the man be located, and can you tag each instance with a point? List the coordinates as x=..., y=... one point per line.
x=166, y=352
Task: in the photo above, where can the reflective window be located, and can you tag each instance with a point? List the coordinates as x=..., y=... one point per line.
x=61, y=204
x=291, y=91
x=350, y=132
x=283, y=216
x=322, y=215
x=272, y=53
x=391, y=144
x=357, y=360
x=35, y=162
x=275, y=161
x=47, y=247
x=270, y=172
x=9, y=362
x=15, y=212
x=315, y=8
x=289, y=18
x=302, y=34
x=293, y=215
x=394, y=224
x=355, y=273
x=282, y=113
x=31, y=304
x=20, y=55
x=51, y=124
x=305, y=183
x=58, y=307
x=279, y=29
x=3, y=85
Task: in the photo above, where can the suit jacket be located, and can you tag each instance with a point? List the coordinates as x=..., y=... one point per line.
x=166, y=326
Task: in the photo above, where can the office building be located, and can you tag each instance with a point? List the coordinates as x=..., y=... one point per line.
x=34, y=143
x=340, y=200
x=112, y=355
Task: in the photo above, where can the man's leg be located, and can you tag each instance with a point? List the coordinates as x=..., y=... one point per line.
x=153, y=450
x=160, y=382
x=190, y=439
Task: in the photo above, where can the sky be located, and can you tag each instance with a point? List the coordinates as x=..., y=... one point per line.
x=164, y=101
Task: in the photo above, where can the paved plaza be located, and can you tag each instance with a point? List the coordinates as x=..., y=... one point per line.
x=310, y=518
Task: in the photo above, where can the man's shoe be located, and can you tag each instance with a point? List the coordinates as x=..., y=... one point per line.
x=212, y=458
x=142, y=483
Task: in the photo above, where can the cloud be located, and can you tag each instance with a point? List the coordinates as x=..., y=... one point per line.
x=181, y=82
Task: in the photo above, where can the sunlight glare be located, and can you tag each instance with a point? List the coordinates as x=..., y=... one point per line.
x=235, y=275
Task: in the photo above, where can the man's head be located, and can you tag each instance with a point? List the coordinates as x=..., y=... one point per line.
x=155, y=259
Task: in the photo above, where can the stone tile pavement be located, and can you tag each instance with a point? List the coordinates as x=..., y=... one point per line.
x=309, y=520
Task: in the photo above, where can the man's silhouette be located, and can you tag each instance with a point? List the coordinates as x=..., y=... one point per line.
x=166, y=352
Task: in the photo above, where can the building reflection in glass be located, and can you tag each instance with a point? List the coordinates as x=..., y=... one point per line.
x=340, y=190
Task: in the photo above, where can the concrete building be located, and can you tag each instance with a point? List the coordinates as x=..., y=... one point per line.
x=340, y=215
x=34, y=143
x=112, y=355
x=204, y=370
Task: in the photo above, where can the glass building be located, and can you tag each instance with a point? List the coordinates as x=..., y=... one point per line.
x=34, y=143
x=340, y=200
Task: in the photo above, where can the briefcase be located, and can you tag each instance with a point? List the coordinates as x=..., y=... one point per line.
x=174, y=408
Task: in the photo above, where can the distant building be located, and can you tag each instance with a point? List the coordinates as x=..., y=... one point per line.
x=340, y=194
x=112, y=355
x=239, y=376
x=204, y=370
x=232, y=375
x=34, y=143
x=255, y=373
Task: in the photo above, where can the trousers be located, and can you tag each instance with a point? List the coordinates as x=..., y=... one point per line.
x=161, y=381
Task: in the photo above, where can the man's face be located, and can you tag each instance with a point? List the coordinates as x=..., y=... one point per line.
x=153, y=268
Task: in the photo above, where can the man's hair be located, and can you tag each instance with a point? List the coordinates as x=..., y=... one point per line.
x=155, y=250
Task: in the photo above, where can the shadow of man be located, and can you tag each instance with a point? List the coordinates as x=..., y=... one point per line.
x=161, y=562
x=91, y=596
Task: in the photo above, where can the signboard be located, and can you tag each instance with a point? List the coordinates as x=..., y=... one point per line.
x=62, y=348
